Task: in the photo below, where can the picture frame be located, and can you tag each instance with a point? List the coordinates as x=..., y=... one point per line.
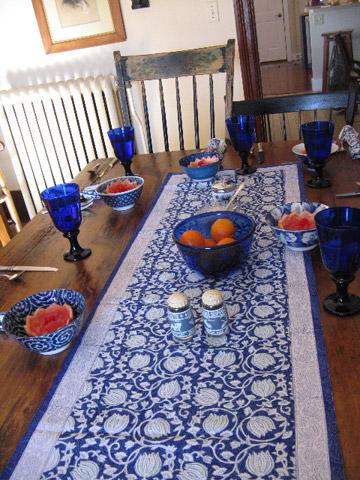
x=71, y=24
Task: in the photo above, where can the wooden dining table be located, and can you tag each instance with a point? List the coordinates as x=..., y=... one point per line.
x=26, y=377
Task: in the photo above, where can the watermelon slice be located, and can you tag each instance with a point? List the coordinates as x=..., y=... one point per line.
x=295, y=221
x=200, y=162
x=120, y=186
x=49, y=319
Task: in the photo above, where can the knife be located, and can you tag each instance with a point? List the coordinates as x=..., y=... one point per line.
x=261, y=154
x=16, y=268
x=350, y=194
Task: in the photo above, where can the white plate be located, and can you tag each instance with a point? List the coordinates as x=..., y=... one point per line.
x=300, y=149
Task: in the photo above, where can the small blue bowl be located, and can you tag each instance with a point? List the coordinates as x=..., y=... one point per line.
x=13, y=322
x=200, y=174
x=298, y=240
x=122, y=200
x=217, y=259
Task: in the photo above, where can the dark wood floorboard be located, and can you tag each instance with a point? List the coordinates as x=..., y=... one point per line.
x=284, y=78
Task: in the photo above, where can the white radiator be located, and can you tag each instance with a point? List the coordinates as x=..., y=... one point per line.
x=53, y=130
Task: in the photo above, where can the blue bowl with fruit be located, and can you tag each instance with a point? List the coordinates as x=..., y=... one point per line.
x=201, y=167
x=45, y=322
x=214, y=242
x=294, y=225
x=120, y=193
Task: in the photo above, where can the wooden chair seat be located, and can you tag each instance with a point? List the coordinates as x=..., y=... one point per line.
x=173, y=65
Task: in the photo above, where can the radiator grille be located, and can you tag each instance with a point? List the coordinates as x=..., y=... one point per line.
x=53, y=130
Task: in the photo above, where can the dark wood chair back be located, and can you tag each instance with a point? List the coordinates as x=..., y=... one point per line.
x=313, y=102
x=187, y=63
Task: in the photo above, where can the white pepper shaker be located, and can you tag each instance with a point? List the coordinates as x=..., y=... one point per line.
x=180, y=316
x=214, y=313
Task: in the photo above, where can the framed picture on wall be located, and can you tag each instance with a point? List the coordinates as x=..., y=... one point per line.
x=70, y=24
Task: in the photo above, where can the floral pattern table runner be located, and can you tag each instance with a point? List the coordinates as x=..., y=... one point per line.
x=132, y=403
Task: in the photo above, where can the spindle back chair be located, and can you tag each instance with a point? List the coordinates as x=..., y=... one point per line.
x=313, y=102
x=160, y=66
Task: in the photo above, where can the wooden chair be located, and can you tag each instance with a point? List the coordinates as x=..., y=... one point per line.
x=6, y=198
x=264, y=108
x=173, y=65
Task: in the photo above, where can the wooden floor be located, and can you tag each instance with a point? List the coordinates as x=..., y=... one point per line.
x=284, y=78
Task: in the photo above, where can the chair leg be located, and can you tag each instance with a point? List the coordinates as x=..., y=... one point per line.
x=12, y=209
x=10, y=203
x=4, y=228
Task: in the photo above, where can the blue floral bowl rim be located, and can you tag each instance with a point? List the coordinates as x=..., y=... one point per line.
x=237, y=241
x=124, y=177
x=43, y=292
x=279, y=229
x=195, y=155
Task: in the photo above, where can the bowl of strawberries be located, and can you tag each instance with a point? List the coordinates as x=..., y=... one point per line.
x=294, y=225
x=120, y=193
x=201, y=166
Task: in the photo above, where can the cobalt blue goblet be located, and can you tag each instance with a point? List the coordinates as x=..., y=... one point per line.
x=122, y=140
x=63, y=205
x=318, y=141
x=339, y=235
x=241, y=129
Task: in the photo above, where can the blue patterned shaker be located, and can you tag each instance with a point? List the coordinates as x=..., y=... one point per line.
x=214, y=313
x=180, y=316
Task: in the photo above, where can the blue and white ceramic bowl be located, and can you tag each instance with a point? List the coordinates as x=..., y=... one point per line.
x=298, y=240
x=13, y=321
x=123, y=200
x=204, y=173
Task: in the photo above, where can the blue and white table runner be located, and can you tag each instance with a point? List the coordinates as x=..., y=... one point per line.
x=132, y=403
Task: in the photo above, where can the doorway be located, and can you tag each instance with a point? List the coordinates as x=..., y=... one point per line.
x=271, y=31
x=287, y=76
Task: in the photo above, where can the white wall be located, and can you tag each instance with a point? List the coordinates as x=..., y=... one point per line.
x=167, y=25
x=331, y=19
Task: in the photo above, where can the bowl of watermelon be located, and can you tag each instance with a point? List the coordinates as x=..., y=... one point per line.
x=293, y=224
x=45, y=322
x=120, y=193
x=201, y=167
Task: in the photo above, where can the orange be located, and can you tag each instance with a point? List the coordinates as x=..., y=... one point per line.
x=225, y=240
x=209, y=242
x=222, y=228
x=193, y=238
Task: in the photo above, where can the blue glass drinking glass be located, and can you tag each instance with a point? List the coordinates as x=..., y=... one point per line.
x=241, y=129
x=318, y=138
x=63, y=205
x=339, y=235
x=122, y=140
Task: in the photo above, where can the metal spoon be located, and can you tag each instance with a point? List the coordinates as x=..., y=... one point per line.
x=235, y=194
x=14, y=276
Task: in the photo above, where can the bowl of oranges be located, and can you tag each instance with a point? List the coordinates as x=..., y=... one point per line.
x=213, y=242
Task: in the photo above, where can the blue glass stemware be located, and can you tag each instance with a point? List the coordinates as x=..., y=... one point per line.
x=339, y=235
x=241, y=129
x=122, y=140
x=318, y=141
x=63, y=205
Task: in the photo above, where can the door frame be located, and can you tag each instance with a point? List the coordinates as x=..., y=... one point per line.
x=289, y=54
x=248, y=48
x=244, y=12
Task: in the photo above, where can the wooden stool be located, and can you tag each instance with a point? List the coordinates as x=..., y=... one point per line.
x=331, y=37
x=5, y=197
